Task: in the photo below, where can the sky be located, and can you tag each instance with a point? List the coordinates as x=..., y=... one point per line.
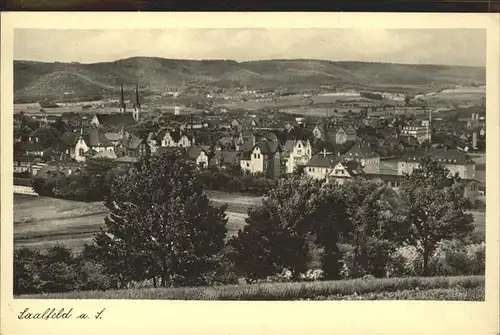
x=409, y=46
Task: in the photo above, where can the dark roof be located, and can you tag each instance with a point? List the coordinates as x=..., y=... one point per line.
x=349, y=129
x=228, y=157
x=96, y=138
x=444, y=156
x=164, y=150
x=408, y=140
x=353, y=168
x=22, y=182
x=42, y=129
x=194, y=152
x=113, y=136
x=323, y=160
x=361, y=151
x=70, y=138
x=268, y=147
x=30, y=146
x=131, y=141
x=124, y=119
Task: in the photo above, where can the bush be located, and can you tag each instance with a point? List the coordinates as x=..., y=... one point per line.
x=27, y=264
x=452, y=258
x=92, y=276
x=457, y=258
x=58, y=271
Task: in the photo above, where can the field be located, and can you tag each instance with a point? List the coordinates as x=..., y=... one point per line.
x=298, y=103
x=463, y=288
x=42, y=222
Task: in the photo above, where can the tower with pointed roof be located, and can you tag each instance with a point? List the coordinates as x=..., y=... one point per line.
x=137, y=104
x=122, y=100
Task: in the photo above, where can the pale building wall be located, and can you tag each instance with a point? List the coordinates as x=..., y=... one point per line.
x=256, y=161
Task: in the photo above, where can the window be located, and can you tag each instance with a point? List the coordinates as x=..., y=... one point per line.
x=81, y=152
x=248, y=164
x=258, y=156
x=255, y=156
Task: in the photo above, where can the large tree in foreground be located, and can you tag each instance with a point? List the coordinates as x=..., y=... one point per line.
x=162, y=225
x=277, y=232
x=436, y=208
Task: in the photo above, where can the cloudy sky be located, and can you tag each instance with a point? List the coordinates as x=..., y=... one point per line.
x=418, y=46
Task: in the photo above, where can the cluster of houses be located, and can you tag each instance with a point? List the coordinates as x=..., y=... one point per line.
x=248, y=145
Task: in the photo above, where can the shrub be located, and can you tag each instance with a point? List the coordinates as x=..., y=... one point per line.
x=92, y=276
x=58, y=271
x=457, y=258
x=27, y=263
x=405, y=261
x=451, y=258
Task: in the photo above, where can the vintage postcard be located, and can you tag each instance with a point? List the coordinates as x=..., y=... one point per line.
x=246, y=173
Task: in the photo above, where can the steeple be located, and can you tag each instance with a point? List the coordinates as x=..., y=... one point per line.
x=122, y=100
x=137, y=104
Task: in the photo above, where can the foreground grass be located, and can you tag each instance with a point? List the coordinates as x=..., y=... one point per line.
x=414, y=288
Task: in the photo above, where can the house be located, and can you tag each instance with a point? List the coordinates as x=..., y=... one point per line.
x=338, y=134
x=93, y=141
x=152, y=141
x=225, y=158
x=364, y=154
x=263, y=158
x=176, y=138
x=199, y=155
x=226, y=143
x=131, y=146
x=321, y=165
x=454, y=160
x=345, y=134
x=422, y=132
x=345, y=171
x=296, y=153
x=69, y=140
x=35, y=149
x=115, y=137
x=407, y=141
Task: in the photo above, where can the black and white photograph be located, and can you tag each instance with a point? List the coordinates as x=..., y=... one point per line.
x=250, y=164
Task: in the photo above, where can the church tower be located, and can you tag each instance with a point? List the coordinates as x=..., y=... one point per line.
x=122, y=100
x=137, y=105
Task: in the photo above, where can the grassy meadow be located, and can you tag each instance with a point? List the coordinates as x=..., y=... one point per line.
x=464, y=288
x=41, y=222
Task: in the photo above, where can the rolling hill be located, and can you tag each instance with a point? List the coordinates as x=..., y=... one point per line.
x=34, y=81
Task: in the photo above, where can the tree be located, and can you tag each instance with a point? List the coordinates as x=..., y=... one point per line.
x=27, y=264
x=375, y=225
x=58, y=270
x=276, y=234
x=264, y=246
x=161, y=225
x=436, y=208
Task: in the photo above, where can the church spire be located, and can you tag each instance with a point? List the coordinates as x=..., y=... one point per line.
x=137, y=103
x=122, y=99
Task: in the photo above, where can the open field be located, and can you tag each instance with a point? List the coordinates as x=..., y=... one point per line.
x=465, y=288
x=42, y=222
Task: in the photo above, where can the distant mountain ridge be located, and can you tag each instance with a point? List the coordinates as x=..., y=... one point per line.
x=34, y=81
